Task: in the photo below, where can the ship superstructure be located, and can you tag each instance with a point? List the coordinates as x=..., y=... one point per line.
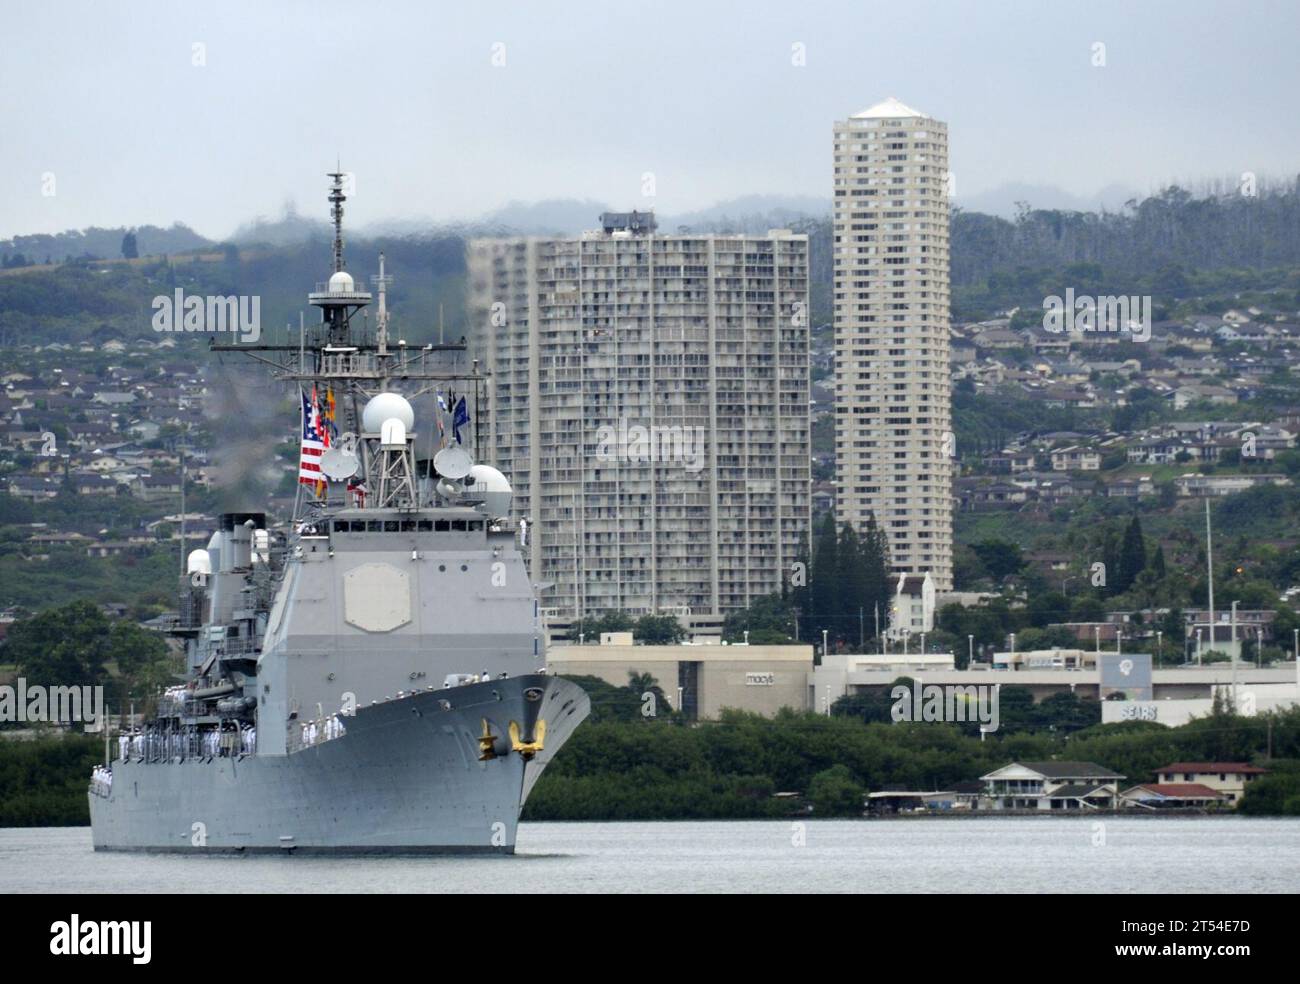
x=371, y=678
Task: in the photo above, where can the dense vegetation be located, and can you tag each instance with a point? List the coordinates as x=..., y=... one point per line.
x=43, y=782
x=83, y=299
x=76, y=644
x=1173, y=243
x=653, y=769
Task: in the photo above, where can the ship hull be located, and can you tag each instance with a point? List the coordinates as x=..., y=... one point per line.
x=405, y=778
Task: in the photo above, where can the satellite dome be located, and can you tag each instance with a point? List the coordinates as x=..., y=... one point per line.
x=198, y=562
x=485, y=478
x=386, y=406
x=341, y=283
x=493, y=487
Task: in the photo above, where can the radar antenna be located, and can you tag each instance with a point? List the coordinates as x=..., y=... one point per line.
x=336, y=199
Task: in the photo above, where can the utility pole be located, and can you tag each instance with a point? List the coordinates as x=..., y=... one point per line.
x=1209, y=567
x=862, y=631
x=1234, y=657
x=182, y=450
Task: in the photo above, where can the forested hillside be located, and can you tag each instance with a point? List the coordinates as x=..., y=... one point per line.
x=1172, y=244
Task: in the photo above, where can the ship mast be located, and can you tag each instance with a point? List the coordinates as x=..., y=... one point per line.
x=332, y=357
x=336, y=199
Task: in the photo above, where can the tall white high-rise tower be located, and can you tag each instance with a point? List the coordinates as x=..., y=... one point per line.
x=894, y=448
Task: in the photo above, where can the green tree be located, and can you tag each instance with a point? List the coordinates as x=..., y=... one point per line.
x=1132, y=559
x=1158, y=562
x=65, y=646
x=823, y=592
x=835, y=792
x=1000, y=557
x=658, y=630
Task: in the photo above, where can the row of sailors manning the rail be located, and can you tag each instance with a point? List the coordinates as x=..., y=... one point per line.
x=189, y=743
x=101, y=780
x=153, y=745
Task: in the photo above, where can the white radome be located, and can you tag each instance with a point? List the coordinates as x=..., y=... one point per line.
x=387, y=406
x=493, y=486
x=198, y=562
x=485, y=478
x=342, y=283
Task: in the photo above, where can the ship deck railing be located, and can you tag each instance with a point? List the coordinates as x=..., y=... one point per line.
x=175, y=747
x=315, y=731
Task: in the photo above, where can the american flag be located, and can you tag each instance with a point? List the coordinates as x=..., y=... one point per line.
x=314, y=442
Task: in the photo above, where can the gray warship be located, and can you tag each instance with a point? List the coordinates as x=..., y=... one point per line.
x=370, y=679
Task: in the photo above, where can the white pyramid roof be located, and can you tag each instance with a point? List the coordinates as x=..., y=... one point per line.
x=891, y=108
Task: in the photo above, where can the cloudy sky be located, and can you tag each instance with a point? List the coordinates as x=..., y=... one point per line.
x=212, y=113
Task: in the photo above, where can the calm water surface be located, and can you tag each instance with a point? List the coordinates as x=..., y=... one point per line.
x=1048, y=854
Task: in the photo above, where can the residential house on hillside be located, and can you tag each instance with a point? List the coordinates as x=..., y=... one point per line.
x=152, y=488
x=1076, y=457
x=1130, y=489
x=31, y=488
x=1161, y=451
x=1185, y=396
x=1060, y=397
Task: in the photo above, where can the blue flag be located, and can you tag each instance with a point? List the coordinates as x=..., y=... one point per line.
x=459, y=419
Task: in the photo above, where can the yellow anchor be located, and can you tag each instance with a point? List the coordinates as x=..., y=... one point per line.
x=487, y=743
x=528, y=748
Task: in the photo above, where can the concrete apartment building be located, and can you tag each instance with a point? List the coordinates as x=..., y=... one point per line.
x=893, y=433
x=649, y=401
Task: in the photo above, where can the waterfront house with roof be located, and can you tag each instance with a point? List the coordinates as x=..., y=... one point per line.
x=1051, y=786
x=1229, y=778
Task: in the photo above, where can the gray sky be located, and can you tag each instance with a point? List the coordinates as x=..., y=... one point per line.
x=105, y=96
